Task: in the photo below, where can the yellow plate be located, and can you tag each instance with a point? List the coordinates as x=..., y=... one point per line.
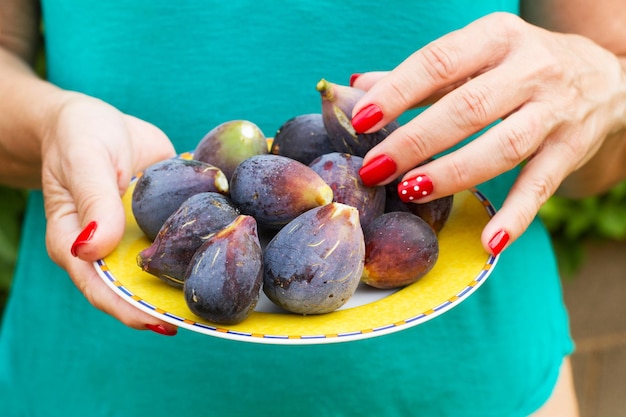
x=463, y=265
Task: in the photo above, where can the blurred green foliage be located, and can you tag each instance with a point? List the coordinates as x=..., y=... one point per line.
x=12, y=203
x=572, y=223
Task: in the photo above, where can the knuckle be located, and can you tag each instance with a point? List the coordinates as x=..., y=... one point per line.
x=416, y=145
x=551, y=68
x=401, y=94
x=505, y=25
x=441, y=63
x=459, y=172
x=539, y=189
x=515, y=145
x=473, y=106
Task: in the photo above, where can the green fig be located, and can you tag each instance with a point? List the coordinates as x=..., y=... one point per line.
x=337, y=104
x=276, y=189
x=223, y=280
x=314, y=264
x=229, y=143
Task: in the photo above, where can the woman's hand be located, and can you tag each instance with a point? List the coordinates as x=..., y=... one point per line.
x=89, y=155
x=559, y=96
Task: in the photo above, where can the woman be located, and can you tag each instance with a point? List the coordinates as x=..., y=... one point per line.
x=132, y=83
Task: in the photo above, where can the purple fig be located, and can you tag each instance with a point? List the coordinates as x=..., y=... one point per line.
x=183, y=232
x=337, y=104
x=276, y=189
x=223, y=281
x=314, y=264
x=165, y=185
x=341, y=172
x=400, y=248
x=302, y=138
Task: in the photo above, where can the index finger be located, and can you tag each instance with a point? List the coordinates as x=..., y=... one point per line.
x=451, y=59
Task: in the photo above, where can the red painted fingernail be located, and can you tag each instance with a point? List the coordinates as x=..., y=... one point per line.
x=415, y=188
x=377, y=170
x=160, y=329
x=353, y=78
x=84, y=237
x=367, y=117
x=498, y=242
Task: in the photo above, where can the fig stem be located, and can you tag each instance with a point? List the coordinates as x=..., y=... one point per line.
x=325, y=89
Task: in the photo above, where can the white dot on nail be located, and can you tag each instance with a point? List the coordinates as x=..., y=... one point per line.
x=418, y=179
x=403, y=191
x=405, y=183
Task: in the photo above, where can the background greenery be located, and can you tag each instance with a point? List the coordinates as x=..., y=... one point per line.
x=572, y=224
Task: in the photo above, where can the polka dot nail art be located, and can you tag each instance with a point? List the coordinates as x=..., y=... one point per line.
x=413, y=189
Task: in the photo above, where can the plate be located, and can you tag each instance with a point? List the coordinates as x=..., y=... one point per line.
x=462, y=267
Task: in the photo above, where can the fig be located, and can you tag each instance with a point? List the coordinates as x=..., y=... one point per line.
x=337, y=104
x=302, y=138
x=165, y=185
x=341, y=173
x=223, y=280
x=314, y=264
x=400, y=248
x=183, y=233
x=276, y=189
x=229, y=143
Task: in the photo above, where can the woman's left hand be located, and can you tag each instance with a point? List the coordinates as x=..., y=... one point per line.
x=558, y=95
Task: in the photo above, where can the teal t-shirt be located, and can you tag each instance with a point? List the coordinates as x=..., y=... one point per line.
x=187, y=66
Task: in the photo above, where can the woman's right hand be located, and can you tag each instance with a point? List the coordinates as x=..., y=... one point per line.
x=90, y=151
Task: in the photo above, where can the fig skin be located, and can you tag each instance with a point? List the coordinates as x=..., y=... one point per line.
x=276, y=189
x=314, y=264
x=337, y=104
x=302, y=138
x=200, y=216
x=341, y=173
x=400, y=248
x=229, y=143
x=165, y=185
x=223, y=281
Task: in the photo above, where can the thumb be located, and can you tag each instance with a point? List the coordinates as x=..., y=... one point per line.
x=87, y=218
x=98, y=202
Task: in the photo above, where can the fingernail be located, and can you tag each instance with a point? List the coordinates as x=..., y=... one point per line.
x=353, y=78
x=498, y=242
x=160, y=329
x=367, y=117
x=415, y=188
x=84, y=237
x=377, y=170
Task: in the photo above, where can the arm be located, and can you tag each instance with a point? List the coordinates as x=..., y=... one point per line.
x=25, y=98
x=81, y=151
x=602, y=22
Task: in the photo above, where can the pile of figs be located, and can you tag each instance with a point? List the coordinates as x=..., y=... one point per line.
x=287, y=216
